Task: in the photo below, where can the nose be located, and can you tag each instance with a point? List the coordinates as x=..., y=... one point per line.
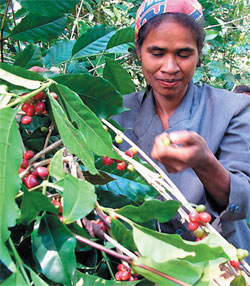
x=169, y=65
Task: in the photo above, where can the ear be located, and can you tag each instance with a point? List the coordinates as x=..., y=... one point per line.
x=138, y=52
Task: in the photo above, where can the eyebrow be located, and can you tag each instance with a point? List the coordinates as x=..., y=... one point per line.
x=156, y=48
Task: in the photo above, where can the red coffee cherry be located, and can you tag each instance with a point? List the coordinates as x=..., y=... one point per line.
x=107, y=161
x=20, y=170
x=121, y=166
x=125, y=275
x=39, y=96
x=39, y=107
x=26, y=120
x=28, y=155
x=133, y=149
x=58, y=205
x=193, y=225
x=129, y=153
x=108, y=219
x=31, y=181
x=121, y=267
x=194, y=216
x=30, y=111
x=42, y=172
x=25, y=106
x=54, y=95
x=25, y=164
x=205, y=217
x=102, y=224
x=235, y=263
x=118, y=275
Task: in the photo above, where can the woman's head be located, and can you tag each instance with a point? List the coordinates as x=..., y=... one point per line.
x=152, y=13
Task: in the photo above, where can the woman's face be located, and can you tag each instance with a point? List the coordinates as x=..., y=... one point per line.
x=169, y=56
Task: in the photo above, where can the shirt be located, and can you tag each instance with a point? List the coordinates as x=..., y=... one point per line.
x=222, y=118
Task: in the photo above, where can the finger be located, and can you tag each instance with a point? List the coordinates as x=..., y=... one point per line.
x=183, y=137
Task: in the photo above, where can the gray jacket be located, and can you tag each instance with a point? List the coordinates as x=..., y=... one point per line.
x=222, y=118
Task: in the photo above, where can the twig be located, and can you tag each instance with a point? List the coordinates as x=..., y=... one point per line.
x=127, y=259
x=225, y=23
x=163, y=179
x=2, y=29
x=76, y=20
x=46, y=150
x=51, y=128
x=14, y=20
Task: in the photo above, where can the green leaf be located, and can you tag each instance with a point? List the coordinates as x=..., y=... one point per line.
x=10, y=182
x=53, y=248
x=72, y=138
x=93, y=41
x=19, y=76
x=48, y=7
x=185, y=260
x=122, y=191
x=79, y=199
x=59, y=53
x=101, y=179
x=34, y=28
x=118, y=76
x=98, y=139
x=97, y=93
x=216, y=68
x=36, y=279
x=32, y=205
x=199, y=74
x=29, y=57
x=90, y=280
x=238, y=281
x=15, y=279
x=150, y=210
x=123, y=235
x=211, y=34
x=56, y=169
x=122, y=36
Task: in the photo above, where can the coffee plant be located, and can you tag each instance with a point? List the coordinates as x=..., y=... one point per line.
x=75, y=210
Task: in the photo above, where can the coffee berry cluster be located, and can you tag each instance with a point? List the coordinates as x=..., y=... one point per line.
x=197, y=220
x=121, y=165
x=124, y=274
x=34, y=106
x=31, y=180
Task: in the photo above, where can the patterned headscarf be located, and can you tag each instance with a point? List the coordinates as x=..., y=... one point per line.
x=152, y=8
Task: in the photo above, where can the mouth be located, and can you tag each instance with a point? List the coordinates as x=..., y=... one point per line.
x=168, y=82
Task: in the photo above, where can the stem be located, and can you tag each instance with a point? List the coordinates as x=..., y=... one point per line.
x=46, y=150
x=76, y=20
x=103, y=248
x=14, y=20
x=108, y=264
x=2, y=29
x=177, y=281
x=127, y=259
x=46, y=143
x=19, y=261
x=22, y=99
x=224, y=24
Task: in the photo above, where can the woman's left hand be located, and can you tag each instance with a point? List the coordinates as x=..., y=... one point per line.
x=187, y=150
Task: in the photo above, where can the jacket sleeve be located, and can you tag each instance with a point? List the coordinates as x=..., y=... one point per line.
x=234, y=155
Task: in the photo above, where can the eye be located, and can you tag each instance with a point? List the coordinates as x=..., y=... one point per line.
x=183, y=55
x=157, y=54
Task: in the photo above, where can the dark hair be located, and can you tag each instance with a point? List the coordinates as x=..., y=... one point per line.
x=196, y=28
x=241, y=89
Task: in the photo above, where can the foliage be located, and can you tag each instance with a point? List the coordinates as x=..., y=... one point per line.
x=87, y=48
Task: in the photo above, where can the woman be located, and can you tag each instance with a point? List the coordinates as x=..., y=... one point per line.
x=208, y=159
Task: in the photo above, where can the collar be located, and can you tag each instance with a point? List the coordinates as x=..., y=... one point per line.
x=147, y=113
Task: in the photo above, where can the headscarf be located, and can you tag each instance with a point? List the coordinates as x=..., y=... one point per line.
x=152, y=8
